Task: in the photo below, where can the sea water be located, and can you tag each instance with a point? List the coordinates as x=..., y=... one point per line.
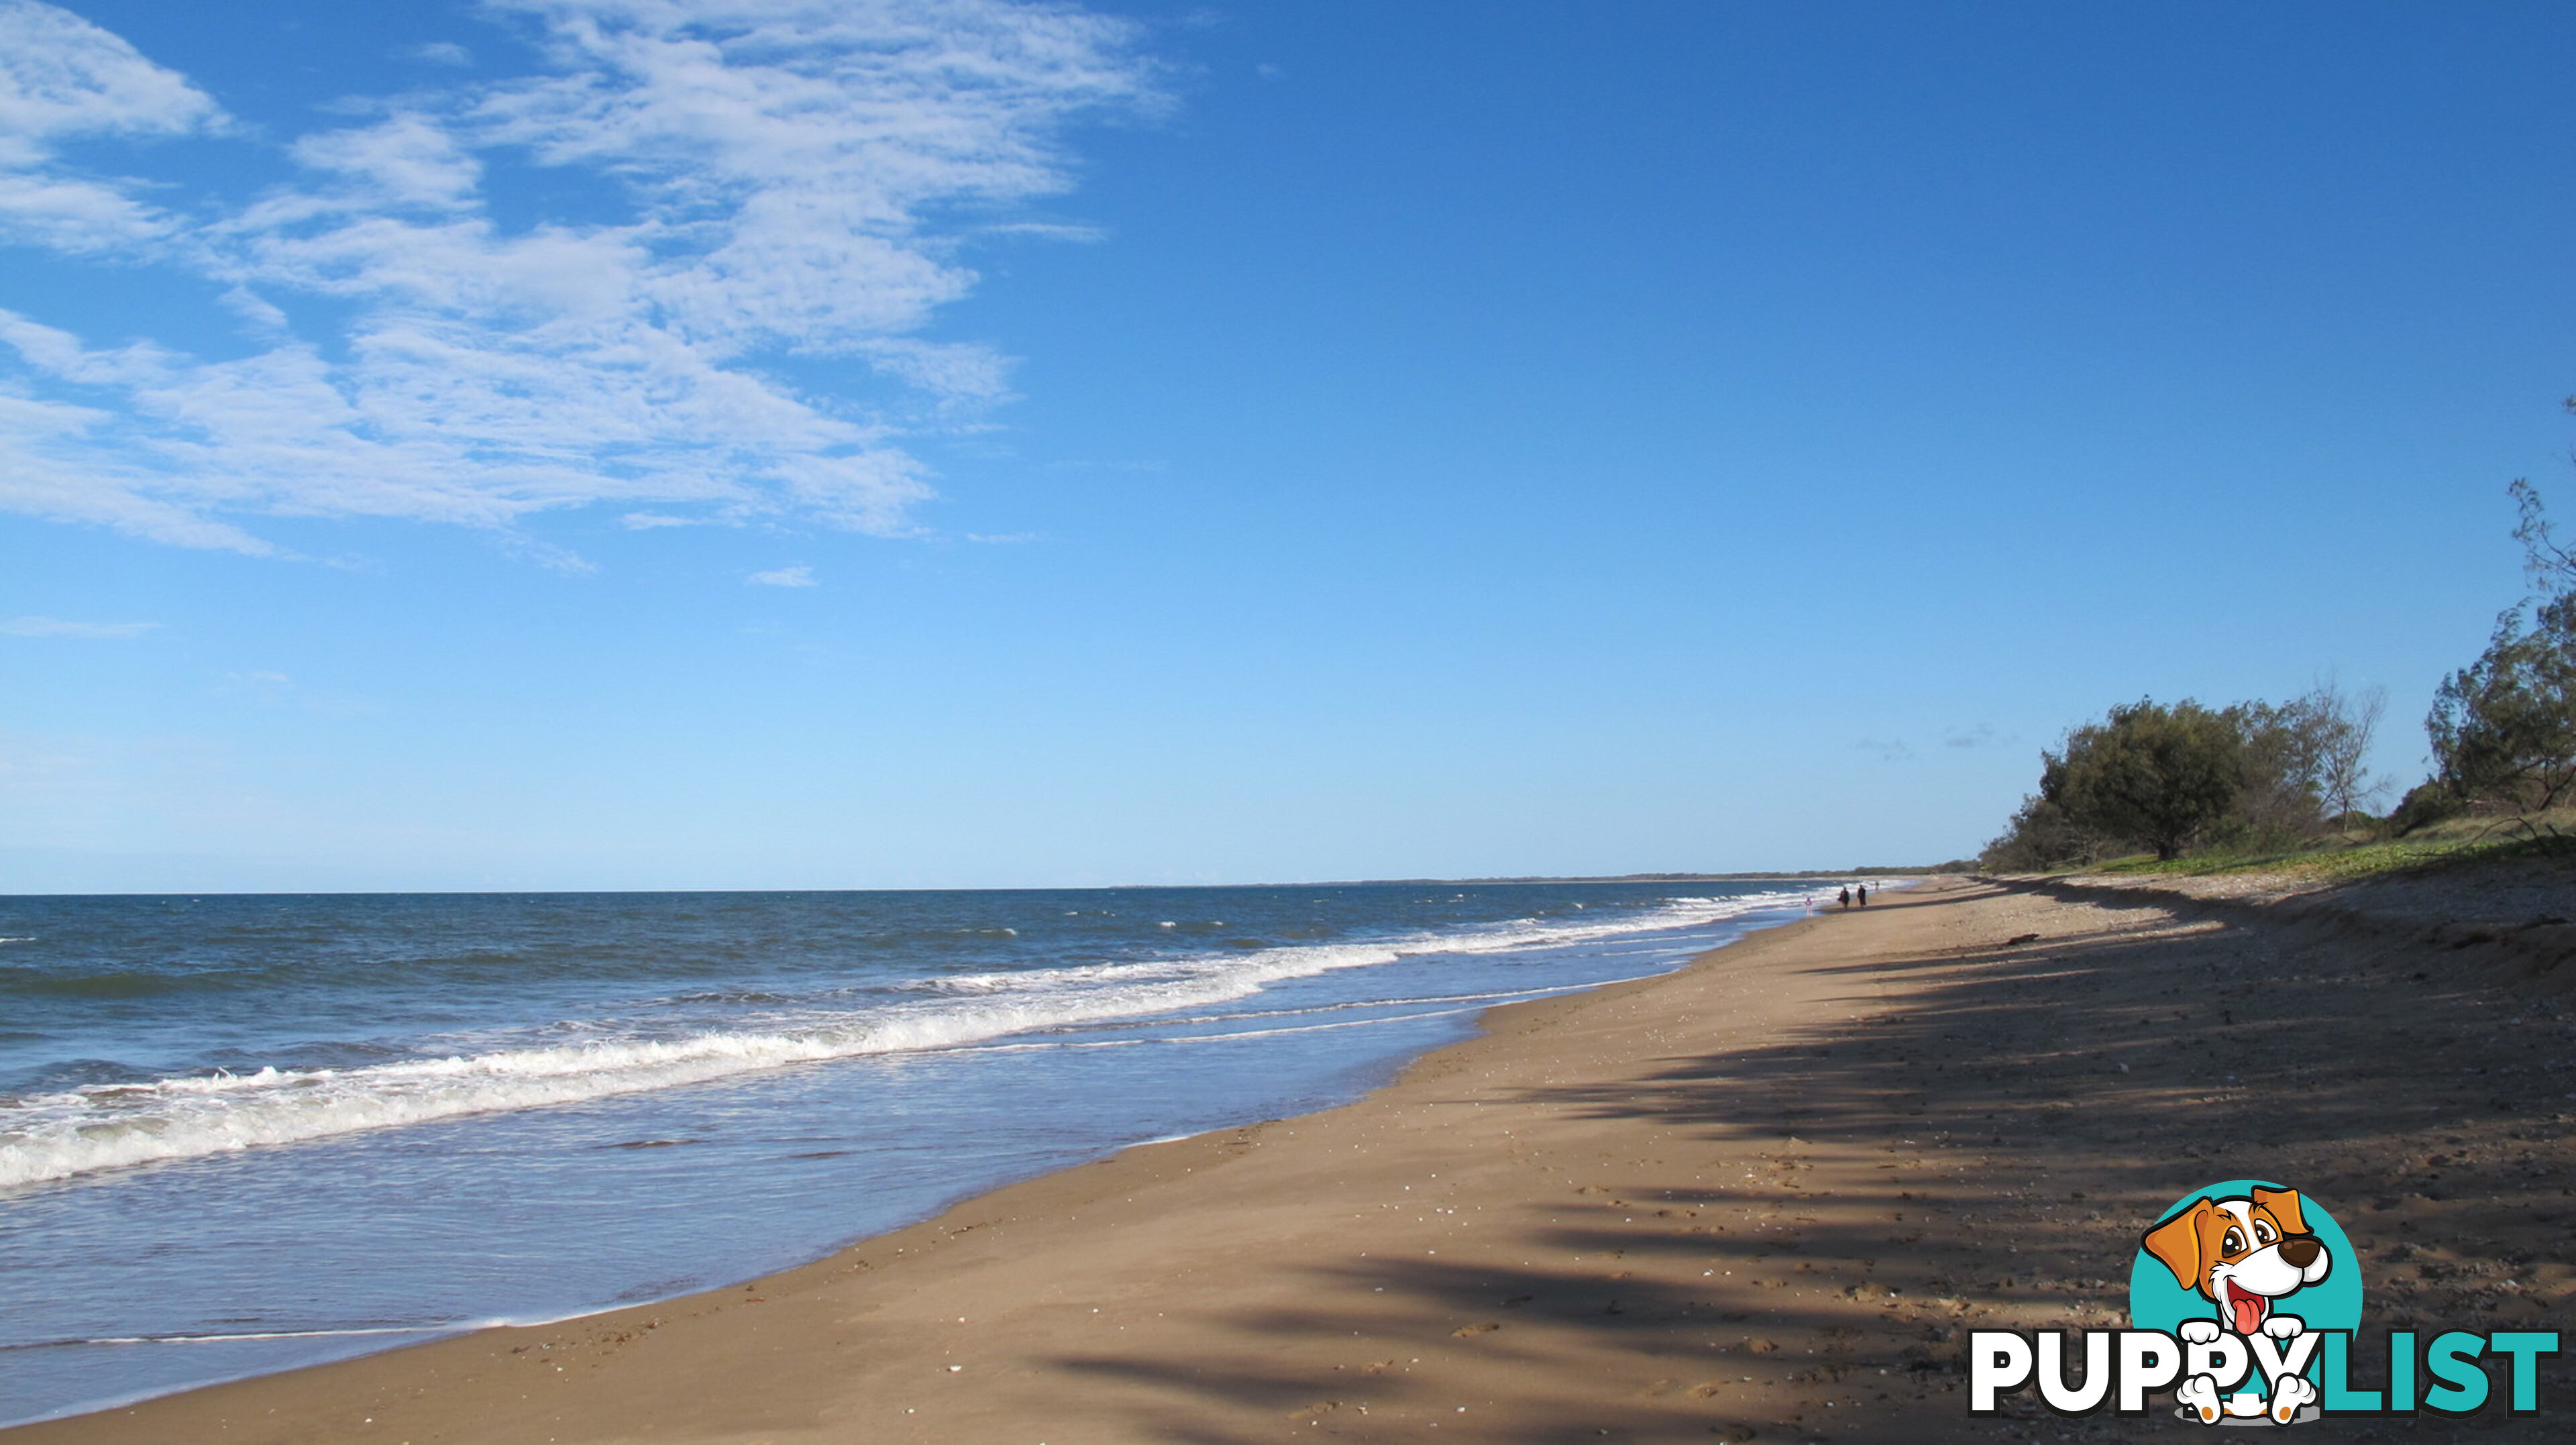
x=244, y=1133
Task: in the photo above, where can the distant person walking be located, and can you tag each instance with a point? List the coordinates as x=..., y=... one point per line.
x=1864, y=895
x=1846, y=897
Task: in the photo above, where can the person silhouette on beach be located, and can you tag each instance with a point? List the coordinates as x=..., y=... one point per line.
x=1846, y=897
x=1864, y=895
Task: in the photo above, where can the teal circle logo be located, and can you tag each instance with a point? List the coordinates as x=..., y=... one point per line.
x=2192, y=1239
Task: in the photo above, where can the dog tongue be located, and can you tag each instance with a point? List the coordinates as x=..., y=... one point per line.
x=2248, y=1309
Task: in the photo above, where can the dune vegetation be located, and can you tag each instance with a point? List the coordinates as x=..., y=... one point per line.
x=2185, y=788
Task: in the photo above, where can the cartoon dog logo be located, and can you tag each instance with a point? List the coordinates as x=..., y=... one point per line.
x=2243, y=1254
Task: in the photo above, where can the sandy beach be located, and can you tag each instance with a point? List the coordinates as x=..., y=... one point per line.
x=1760, y=1199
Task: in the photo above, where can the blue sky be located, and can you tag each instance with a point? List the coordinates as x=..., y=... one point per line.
x=650, y=443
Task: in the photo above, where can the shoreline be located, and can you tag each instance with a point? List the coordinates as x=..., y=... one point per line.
x=865, y=1222
x=1724, y=1202
x=626, y=1319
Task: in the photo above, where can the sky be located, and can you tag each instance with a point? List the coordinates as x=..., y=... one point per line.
x=540, y=444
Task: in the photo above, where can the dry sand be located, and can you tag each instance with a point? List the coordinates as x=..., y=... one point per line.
x=1760, y=1199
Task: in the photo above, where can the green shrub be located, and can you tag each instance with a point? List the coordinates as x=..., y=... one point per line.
x=2427, y=803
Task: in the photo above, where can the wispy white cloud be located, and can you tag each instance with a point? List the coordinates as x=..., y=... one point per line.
x=404, y=161
x=270, y=688
x=443, y=52
x=60, y=75
x=57, y=627
x=799, y=575
x=63, y=78
x=800, y=176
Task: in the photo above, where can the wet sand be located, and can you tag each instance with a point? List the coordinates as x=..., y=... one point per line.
x=1760, y=1199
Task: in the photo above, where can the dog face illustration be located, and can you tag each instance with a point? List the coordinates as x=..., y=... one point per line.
x=2242, y=1253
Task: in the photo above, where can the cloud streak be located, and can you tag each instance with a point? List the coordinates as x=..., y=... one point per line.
x=797, y=178
x=64, y=79
x=56, y=627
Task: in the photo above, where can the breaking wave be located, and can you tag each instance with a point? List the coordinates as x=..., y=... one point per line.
x=65, y=1134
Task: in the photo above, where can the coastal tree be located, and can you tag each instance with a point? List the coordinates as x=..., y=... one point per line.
x=2041, y=836
x=2149, y=776
x=2281, y=748
x=2156, y=774
x=2549, y=563
x=2306, y=760
x=2504, y=728
x=2344, y=778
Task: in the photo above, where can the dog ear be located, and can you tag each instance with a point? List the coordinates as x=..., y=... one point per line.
x=2284, y=1204
x=2176, y=1243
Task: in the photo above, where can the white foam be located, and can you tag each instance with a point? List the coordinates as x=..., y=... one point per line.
x=100, y=1127
x=248, y=1335
x=393, y=1336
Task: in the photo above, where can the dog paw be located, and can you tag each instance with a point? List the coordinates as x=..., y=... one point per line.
x=2292, y=1392
x=2199, y=1332
x=2281, y=1327
x=2199, y=1394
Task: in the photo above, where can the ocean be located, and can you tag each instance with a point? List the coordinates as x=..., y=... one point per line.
x=240, y=1134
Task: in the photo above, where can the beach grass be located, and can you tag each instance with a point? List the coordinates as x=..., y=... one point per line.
x=2452, y=843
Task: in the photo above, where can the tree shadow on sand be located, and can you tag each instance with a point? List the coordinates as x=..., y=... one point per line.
x=1996, y=1134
